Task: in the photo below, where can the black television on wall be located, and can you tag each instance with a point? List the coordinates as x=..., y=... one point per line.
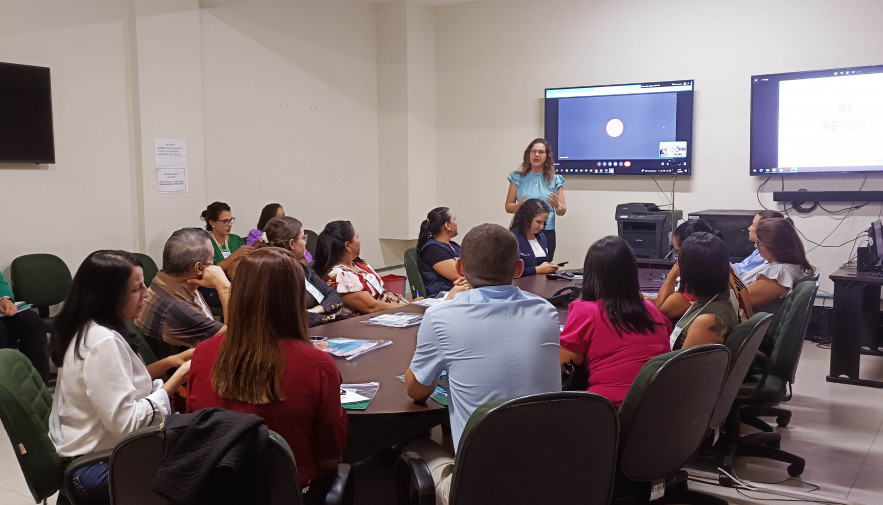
x=26, y=132
x=622, y=129
x=817, y=122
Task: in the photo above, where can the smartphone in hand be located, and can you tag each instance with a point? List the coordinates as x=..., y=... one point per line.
x=562, y=263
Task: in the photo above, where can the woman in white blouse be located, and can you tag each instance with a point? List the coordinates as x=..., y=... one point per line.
x=785, y=262
x=104, y=390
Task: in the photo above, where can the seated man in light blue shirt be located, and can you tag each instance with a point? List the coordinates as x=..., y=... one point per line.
x=754, y=260
x=494, y=341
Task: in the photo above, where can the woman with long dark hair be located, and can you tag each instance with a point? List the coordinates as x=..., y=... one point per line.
x=671, y=301
x=528, y=225
x=437, y=252
x=104, y=391
x=785, y=262
x=266, y=365
x=611, y=329
x=322, y=303
x=754, y=259
x=536, y=178
x=339, y=265
x=705, y=276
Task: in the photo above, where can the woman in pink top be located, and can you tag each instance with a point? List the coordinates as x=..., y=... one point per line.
x=612, y=330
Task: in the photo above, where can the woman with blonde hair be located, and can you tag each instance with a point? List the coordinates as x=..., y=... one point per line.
x=266, y=365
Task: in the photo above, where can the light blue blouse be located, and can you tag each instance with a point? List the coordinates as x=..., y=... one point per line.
x=533, y=185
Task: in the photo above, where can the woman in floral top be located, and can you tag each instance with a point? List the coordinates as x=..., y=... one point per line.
x=337, y=261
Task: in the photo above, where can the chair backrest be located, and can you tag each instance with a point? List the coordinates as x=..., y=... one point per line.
x=666, y=413
x=41, y=279
x=149, y=267
x=412, y=270
x=565, y=440
x=135, y=461
x=312, y=239
x=793, y=322
x=25, y=404
x=743, y=342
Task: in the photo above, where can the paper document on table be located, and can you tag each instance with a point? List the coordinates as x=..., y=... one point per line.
x=358, y=396
x=397, y=320
x=349, y=348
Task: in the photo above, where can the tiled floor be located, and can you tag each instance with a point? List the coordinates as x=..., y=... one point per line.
x=838, y=429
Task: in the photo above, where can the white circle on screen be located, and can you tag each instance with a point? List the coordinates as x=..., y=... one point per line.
x=614, y=127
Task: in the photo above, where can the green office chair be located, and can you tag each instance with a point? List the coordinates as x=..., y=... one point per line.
x=544, y=448
x=412, y=270
x=25, y=404
x=663, y=421
x=42, y=280
x=149, y=267
x=743, y=342
x=312, y=239
x=136, y=460
x=768, y=385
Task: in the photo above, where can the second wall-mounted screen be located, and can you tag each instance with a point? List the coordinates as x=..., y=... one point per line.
x=622, y=129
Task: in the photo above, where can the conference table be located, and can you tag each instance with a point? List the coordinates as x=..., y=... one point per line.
x=393, y=417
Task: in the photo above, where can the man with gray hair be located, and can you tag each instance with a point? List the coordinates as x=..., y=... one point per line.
x=494, y=341
x=174, y=311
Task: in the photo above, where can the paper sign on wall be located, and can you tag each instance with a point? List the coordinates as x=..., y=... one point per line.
x=171, y=165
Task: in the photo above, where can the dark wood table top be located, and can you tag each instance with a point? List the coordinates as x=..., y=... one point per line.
x=650, y=279
x=851, y=274
x=381, y=365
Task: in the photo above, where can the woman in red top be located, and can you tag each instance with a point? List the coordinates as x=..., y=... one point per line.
x=612, y=330
x=266, y=364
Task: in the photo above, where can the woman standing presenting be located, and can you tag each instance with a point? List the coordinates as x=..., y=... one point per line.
x=536, y=178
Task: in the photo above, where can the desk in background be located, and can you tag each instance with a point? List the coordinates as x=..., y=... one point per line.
x=856, y=324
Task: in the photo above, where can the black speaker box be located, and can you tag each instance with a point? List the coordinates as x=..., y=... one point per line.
x=865, y=262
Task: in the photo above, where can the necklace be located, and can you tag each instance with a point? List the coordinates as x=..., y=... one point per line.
x=223, y=247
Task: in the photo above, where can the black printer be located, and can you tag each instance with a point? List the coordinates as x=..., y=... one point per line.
x=646, y=228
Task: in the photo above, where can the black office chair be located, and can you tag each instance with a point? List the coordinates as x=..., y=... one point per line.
x=544, y=448
x=664, y=419
x=135, y=461
x=43, y=280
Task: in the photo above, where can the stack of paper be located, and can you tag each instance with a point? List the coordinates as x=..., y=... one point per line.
x=348, y=348
x=397, y=320
x=358, y=396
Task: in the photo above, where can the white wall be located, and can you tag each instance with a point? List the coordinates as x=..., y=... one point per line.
x=278, y=100
x=290, y=92
x=85, y=200
x=495, y=58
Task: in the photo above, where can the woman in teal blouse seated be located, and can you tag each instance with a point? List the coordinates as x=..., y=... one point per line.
x=536, y=178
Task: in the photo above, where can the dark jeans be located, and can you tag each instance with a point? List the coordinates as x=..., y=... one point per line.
x=550, y=243
x=91, y=485
x=26, y=331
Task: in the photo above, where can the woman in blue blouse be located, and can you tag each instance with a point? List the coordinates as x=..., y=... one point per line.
x=527, y=226
x=437, y=252
x=536, y=178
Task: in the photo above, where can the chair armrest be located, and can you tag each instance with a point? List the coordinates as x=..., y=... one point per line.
x=342, y=491
x=81, y=462
x=761, y=365
x=414, y=484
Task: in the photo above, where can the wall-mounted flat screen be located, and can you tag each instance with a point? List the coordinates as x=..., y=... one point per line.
x=26, y=134
x=817, y=122
x=622, y=129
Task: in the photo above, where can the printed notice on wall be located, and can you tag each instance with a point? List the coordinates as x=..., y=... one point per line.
x=171, y=165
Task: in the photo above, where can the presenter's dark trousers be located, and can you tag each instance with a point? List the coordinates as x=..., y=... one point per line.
x=550, y=243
